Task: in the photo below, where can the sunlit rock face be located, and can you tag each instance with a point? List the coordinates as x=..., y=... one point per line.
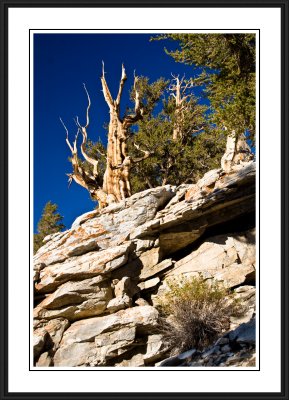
x=97, y=285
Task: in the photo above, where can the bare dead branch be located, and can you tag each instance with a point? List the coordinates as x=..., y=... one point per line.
x=136, y=98
x=73, y=147
x=75, y=143
x=180, y=88
x=198, y=130
x=175, y=77
x=70, y=178
x=67, y=136
x=138, y=109
x=83, y=130
x=107, y=96
x=121, y=85
x=146, y=154
x=188, y=85
x=79, y=175
x=88, y=106
x=89, y=159
x=100, y=153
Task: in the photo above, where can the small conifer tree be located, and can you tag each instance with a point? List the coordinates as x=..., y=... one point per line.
x=50, y=222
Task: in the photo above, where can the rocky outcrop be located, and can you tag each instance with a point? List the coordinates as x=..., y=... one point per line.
x=97, y=285
x=105, y=338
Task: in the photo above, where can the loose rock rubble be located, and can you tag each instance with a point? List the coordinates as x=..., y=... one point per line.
x=236, y=348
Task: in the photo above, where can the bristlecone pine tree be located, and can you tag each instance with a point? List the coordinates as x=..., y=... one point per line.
x=110, y=182
x=182, y=143
x=50, y=222
x=229, y=62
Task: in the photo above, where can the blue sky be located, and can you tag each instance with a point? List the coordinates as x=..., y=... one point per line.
x=62, y=63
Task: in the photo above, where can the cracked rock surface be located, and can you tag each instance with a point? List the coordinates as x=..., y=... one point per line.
x=97, y=284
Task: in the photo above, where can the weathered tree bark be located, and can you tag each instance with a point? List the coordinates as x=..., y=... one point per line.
x=116, y=184
x=178, y=90
x=237, y=151
x=116, y=178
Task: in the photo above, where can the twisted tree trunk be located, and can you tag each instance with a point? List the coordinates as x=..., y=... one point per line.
x=237, y=151
x=178, y=89
x=116, y=185
x=116, y=178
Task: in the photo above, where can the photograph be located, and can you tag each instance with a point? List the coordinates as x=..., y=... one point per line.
x=144, y=206
x=144, y=200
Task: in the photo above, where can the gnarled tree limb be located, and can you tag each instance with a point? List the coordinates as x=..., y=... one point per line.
x=106, y=93
x=90, y=160
x=116, y=185
x=121, y=85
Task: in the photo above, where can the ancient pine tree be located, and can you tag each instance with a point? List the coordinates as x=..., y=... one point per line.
x=178, y=89
x=115, y=184
x=229, y=61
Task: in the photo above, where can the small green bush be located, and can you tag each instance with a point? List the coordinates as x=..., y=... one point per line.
x=195, y=312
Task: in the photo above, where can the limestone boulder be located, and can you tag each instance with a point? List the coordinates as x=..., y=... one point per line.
x=95, y=283
x=204, y=186
x=149, y=284
x=157, y=269
x=227, y=258
x=48, y=334
x=182, y=223
x=74, y=355
x=85, y=330
x=150, y=258
x=39, y=339
x=112, y=345
x=136, y=360
x=118, y=303
x=76, y=299
x=141, y=302
x=105, y=332
x=45, y=360
x=83, y=267
x=125, y=287
x=102, y=229
x=156, y=349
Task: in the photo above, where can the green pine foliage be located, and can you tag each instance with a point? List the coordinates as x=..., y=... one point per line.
x=149, y=93
x=228, y=61
x=50, y=222
x=171, y=162
x=223, y=67
x=175, y=161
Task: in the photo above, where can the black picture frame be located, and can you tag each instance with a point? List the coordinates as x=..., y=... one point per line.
x=5, y=5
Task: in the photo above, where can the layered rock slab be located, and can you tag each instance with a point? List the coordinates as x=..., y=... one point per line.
x=102, y=274
x=102, y=337
x=182, y=223
x=76, y=299
x=227, y=258
x=101, y=229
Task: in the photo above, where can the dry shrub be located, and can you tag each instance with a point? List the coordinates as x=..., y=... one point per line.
x=195, y=312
